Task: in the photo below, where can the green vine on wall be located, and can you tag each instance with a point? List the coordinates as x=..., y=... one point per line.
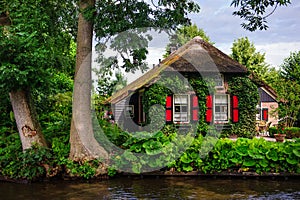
x=248, y=96
x=157, y=93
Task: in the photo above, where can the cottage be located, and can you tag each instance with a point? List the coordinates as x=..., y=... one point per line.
x=196, y=60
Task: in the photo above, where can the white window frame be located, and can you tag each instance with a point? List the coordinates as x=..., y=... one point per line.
x=220, y=121
x=187, y=113
x=258, y=113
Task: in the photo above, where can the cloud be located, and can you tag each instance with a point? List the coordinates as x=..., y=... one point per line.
x=277, y=52
x=223, y=28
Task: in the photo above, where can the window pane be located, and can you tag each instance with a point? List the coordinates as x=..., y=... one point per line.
x=221, y=108
x=181, y=108
x=181, y=99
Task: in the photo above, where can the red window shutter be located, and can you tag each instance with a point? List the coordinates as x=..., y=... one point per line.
x=209, y=115
x=209, y=102
x=209, y=108
x=195, y=115
x=235, y=102
x=195, y=108
x=235, y=109
x=169, y=115
x=169, y=101
x=195, y=101
x=265, y=114
x=235, y=117
x=169, y=109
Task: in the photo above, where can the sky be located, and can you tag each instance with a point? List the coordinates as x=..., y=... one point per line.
x=216, y=19
x=282, y=37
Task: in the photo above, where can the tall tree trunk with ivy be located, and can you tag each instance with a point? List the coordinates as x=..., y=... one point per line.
x=26, y=118
x=83, y=143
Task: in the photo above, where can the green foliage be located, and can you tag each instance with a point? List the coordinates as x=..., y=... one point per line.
x=155, y=95
x=248, y=96
x=85, y=170
x=29, y=165
x=107, y=86
x=256, y=155
x=290, y=69
x=40, y=162
x=201, y=88
x=254, y=12
x=287, y=86
x=291, y=132
x=184, y=34
x=33, y=44
x=245, y=53
x=126, y=25
x=113, y=133
x=151, y=151
x=272, y=131
x=206, y=154
x=164, y=14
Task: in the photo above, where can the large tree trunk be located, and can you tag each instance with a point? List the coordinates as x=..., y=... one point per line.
x=83, y=143
x=26, y=119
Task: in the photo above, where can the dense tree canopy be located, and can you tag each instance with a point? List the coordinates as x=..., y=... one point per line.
x=288, y=88
x=35, y=43
x=245, y=53
x=291, y=67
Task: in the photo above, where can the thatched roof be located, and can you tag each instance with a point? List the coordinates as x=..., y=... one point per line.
x=195, y=56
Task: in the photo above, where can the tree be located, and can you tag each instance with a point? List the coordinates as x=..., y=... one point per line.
x=184, y=34
x=32, y=41
x=272, y=76
x=109, y=18
x=253, y=12
x=290, y=69
x=107, y=86
x=245, y=53
x=83, y=143
x=288, y=88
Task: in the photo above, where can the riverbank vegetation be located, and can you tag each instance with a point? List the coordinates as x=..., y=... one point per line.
x=161, y=151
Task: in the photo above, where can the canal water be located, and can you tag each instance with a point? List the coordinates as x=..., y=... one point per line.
x=155, y=188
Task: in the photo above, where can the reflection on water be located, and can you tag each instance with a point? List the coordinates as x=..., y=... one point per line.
x=156, y=188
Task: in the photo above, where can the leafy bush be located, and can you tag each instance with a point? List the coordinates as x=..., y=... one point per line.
x=292, y=132
x=256, y=155
x=272, y=131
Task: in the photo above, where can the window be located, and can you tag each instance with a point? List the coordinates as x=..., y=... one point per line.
x=221, y=108
x=258, y=112
x=181, y=108
x=219, y=80
x=129, y=112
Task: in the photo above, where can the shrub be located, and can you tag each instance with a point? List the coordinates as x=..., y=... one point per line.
x=292, y=132
x=272, y=131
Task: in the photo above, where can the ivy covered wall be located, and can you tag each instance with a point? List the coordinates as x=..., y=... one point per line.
x=242, y=87
x=248, y=96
